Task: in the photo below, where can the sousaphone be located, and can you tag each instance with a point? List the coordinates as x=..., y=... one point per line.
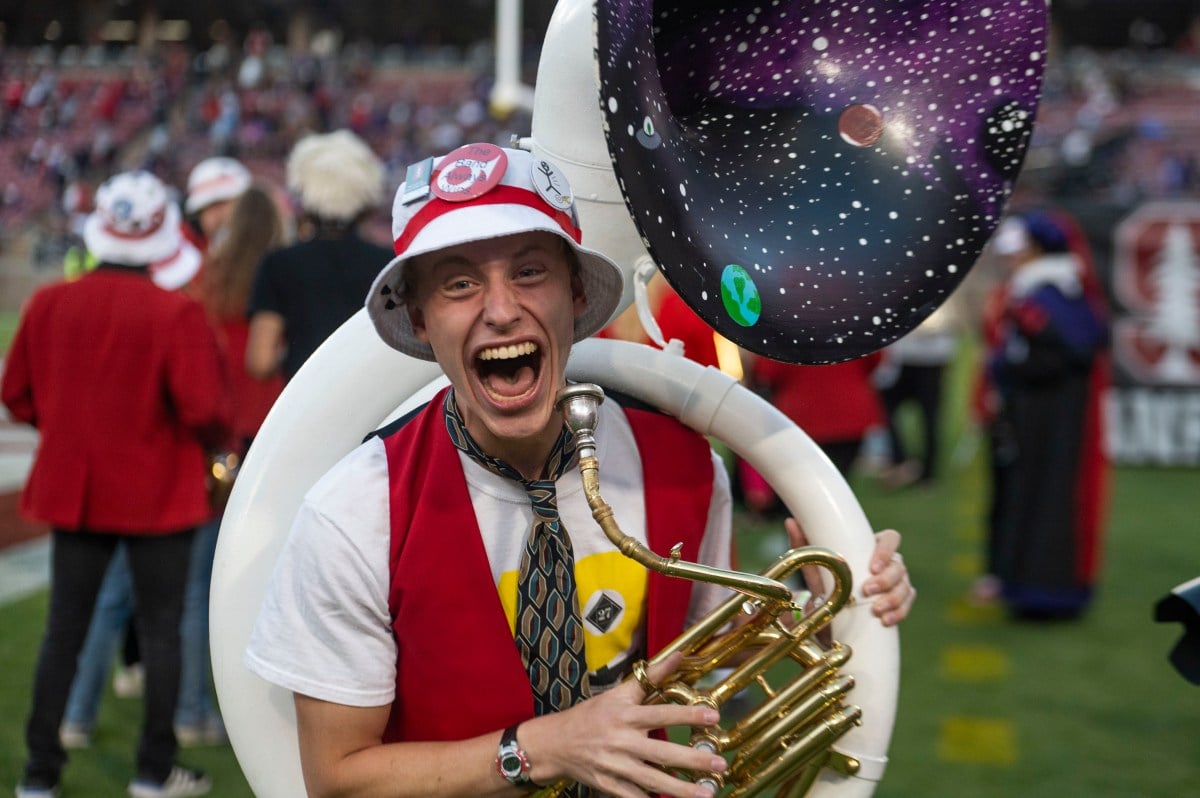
x=814, y=177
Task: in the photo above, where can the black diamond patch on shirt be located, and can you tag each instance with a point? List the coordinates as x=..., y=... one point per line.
x=604, y=612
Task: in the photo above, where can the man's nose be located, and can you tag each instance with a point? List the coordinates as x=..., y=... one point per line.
x=501, y=307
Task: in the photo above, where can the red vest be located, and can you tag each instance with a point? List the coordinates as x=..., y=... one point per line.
x=458, y=671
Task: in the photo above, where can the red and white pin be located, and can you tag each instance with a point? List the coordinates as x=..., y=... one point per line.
x=469, y=172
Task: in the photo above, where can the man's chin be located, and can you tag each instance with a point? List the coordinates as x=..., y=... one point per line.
x=513, y=418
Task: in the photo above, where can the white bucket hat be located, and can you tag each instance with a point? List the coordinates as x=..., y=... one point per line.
x=135, y=222
x=179, y=268
x=215, y=180
x=482, y=191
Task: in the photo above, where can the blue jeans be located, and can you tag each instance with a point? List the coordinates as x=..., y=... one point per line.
x=195, y=696
x=106, y=632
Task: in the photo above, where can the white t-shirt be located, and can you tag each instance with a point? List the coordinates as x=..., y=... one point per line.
x=324, y=629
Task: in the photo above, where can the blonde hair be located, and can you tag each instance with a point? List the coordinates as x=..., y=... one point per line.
x=255, y=227
x=336, y=176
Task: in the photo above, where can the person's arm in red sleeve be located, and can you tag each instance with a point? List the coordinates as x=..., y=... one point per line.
x=16, y=389
x=197, y=381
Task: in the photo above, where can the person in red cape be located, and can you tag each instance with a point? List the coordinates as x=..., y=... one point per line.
x=446, y=612
x=1040, y=396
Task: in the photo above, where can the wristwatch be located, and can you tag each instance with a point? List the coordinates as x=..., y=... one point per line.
x=511, y=760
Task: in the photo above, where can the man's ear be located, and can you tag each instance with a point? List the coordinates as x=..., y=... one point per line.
x=578, y=296
x=417, y=318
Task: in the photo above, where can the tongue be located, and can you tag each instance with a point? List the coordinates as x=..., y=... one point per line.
x=511, y=384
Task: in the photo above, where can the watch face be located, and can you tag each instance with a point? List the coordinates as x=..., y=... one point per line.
x=510, y=764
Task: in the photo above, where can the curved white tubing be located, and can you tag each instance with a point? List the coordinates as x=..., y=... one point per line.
x=354, y=383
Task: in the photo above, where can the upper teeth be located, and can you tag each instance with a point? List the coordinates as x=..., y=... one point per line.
x=508, y=352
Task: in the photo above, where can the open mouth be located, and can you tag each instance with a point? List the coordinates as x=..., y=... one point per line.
x=509, y=372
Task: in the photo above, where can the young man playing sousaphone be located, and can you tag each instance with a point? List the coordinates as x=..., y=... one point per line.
x=450, y=618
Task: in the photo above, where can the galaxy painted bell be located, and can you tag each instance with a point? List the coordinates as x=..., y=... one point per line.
x=815, y=177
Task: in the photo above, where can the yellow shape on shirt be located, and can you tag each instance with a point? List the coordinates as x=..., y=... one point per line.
x=621, y=579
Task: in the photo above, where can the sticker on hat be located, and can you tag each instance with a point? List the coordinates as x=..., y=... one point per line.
x=551, y=184
x=416, y=181
x=469, y=172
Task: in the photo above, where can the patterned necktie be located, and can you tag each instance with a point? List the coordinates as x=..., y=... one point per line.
x=549, y=631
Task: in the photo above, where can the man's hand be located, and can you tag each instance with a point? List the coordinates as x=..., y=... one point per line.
x=604, y=742
x=892, y=592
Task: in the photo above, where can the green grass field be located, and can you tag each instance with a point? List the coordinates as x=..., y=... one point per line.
x=988, y=708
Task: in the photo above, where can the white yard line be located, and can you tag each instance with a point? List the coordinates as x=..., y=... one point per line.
x=24, y=569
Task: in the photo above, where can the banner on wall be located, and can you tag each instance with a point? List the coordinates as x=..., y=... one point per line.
x=1153, y=409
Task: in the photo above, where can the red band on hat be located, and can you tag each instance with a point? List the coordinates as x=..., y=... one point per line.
x=156, y=221
x=212, y=183
x=500, y=195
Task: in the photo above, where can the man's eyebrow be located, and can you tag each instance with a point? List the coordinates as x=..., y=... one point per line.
x=449, y=260
x=531, y=248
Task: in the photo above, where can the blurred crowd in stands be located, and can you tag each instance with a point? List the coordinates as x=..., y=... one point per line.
x=71, y=118
x=1115, y=126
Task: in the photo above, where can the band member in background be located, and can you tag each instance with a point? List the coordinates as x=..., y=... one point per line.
x=448, y=615
x=213, y=187
x=124, y=467
x=303, y=292
x=1046, y=365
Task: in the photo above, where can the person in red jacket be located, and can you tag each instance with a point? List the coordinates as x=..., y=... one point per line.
x=447, y=614
x=677, y=320
x=837, y=405
x=126, y=466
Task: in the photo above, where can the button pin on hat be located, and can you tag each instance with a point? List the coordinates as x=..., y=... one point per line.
x=469, y=172
x=551, y=184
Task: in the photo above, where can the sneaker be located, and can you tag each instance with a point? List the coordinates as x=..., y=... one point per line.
x=75, y=736
x=181, y=783
x=129, y=681
x=902, y=475
x=987, y=591
x=210, y=733
x=35, y=791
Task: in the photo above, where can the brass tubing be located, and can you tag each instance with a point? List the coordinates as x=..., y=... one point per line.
x=744, y=675
x=753, y=585
x=800, y=783
x=753, y=723
x=828, y=694
x=809, y=745
x=578, y=404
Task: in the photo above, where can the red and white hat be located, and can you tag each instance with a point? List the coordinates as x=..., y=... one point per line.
x=135, y=223
x=214, y=180
x=178, y=269
x=482, y=191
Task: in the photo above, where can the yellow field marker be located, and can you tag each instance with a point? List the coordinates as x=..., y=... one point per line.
x=966, y=565
x=973, y=664
x=984, y=741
